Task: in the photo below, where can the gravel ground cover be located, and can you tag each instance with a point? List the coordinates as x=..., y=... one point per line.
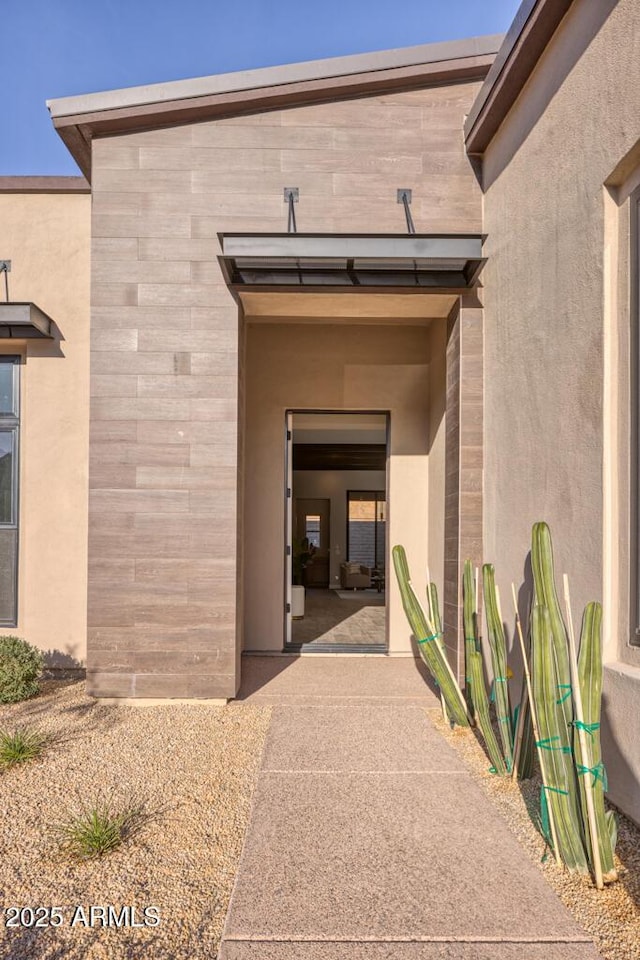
x=611, y=916
x=193, y=767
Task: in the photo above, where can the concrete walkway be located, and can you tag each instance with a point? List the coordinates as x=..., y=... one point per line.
x=368, y=838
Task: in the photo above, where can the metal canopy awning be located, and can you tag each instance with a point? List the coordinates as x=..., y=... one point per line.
x=415, y=263
x=24, y=321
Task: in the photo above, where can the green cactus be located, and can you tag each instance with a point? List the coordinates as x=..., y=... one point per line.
x=425, y=633
x=526, y=758
x=590, y=675
x=475, y=671
x=498, y=647
x=561, y=790
x=545, y=595
x=434, y=609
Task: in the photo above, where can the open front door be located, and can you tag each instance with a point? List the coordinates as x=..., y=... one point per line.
x=288, y=527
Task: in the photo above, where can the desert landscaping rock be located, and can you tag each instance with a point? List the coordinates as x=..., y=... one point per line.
x=194, y=766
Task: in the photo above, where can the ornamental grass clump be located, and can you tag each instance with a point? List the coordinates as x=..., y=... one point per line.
x=19, y=746
x=20, y=669
x=97, y=828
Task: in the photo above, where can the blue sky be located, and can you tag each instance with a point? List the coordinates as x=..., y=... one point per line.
x=57, y=48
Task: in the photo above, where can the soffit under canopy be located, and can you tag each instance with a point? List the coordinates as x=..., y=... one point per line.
x=24, y=321
x=436, y=267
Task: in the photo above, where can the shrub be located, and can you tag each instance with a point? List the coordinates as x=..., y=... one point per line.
x=97, y=828
x=21, y=745
x=20, y=668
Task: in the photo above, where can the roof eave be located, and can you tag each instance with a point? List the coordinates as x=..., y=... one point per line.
x=534, y=24
x=78, y=129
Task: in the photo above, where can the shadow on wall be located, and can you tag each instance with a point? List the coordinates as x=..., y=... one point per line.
x=524, y=599
x=571, y=45
x=62, y=665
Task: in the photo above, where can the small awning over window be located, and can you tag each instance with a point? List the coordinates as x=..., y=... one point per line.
x=435, y=263
x=24, y=321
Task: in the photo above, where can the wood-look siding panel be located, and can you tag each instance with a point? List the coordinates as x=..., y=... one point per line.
x=260, y=137
x=132, y=363
x=144, y=226
x=141, y=271
x=166, y=356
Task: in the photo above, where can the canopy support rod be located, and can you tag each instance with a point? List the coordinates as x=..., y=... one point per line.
x=404, y=197
x=291, y=197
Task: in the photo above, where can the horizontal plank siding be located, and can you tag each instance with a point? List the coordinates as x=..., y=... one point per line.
x=167, y=353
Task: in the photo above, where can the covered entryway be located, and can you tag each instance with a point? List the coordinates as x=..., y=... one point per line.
x=348, y=324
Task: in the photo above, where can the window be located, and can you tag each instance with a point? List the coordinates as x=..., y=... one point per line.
x=312, y=529
x=9, y=439
x=366, y=520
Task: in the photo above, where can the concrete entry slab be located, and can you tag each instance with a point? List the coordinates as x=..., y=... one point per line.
x=333, y=679
x=550, y=950
x=368, y=737
x=373, y=856
x=368, y=838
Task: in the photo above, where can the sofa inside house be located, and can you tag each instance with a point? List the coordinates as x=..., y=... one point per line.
x=354, y=576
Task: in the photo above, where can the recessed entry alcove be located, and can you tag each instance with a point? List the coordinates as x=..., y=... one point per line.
x=345, y=412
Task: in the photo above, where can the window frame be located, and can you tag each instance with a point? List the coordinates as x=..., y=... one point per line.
x=10, y=424
x=376, y=496
x=634, y=304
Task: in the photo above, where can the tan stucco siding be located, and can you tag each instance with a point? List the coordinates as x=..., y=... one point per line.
x=547, y=325
x=47, y=239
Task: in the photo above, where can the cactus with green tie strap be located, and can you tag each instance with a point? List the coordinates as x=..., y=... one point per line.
x=590, y=675
x=426, y=635
x=561, y=791
x=475, y=671
x=545, y=595
x=433, y=607
x=498, y=647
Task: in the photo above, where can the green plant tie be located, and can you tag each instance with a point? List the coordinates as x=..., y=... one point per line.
x=499, y=679
x=544, y=818
x=567, y=687
x=598, y=773
x=547, y=745
x=434, y=636
x=545, y=823
x=589, y=728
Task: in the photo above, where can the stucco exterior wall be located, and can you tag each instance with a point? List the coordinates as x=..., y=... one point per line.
x=332, y=367
x=437, y=449
x=167, y=384
x=548, y=333
x=47, y=239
